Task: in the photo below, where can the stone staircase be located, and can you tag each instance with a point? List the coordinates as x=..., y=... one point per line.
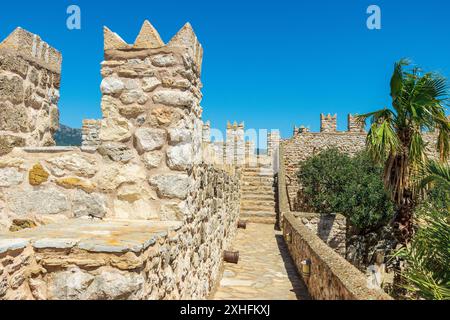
x=257, y=195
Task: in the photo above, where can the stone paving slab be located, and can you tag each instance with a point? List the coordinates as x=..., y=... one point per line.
x=108, y=236
x=265, y=270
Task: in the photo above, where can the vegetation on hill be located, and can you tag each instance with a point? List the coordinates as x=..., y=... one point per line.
x=67, y=136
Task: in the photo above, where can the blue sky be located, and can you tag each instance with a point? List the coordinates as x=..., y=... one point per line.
x=272, y=64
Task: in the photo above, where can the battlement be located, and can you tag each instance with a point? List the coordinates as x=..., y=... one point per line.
x=354, y=125
x=328, y=123
x=149, y=38
x=32, y=48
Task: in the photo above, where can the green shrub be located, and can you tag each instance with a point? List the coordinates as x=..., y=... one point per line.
x=334, y=182
x=427, y=257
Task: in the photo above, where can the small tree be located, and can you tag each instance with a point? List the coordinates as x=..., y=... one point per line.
x=334, y=182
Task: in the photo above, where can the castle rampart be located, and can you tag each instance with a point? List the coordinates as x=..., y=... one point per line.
x=159, y=214
x=30, y=74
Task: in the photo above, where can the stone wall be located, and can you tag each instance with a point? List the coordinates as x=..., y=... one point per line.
x=90, y=133
x=142, y=165
x=331, y=276
x=126, y=259
x=30, y=74
x=305, y=144
x=330, y=228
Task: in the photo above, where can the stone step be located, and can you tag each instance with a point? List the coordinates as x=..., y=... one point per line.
x=260, y=208
x=258, y=189
x=260, y=220
x=258, y=178
x=258, y=203
x=256, y=196
x=258, y=181
x=258, y=173
x=260, y=214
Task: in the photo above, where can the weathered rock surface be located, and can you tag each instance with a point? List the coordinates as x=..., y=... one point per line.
x=171, y=185
x=37, y=175
x=50, y=200
x=77, y=164
x=85, y=204
x=180, y=157
x=174, y=98
x=112, y=86
x=10, y=177
x=152, y=159
x=149, y=139
x=116, y=151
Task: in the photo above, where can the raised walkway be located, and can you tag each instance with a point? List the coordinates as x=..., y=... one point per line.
x=265, y=270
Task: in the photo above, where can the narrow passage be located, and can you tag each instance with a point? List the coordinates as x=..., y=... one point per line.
x=265, y=270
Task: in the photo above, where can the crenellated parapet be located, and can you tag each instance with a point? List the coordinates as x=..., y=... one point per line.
x=90, y=133
x=328, y=123
x=273, y=142
x=30, y=74
x=235, y=144
x=151, y=93
x=33, y=49
x=354, y=125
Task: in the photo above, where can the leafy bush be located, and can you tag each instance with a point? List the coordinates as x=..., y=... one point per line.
x=334, y=182
x=434, y=179
x=427, y=257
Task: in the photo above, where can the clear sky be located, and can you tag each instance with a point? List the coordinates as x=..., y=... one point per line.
x=272, y=64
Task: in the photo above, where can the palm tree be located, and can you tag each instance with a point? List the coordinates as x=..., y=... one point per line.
x=395, y=139
x=434, y=173
x=427, y=257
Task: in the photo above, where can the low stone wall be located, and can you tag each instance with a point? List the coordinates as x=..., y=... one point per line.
x=59, y=182
x=331, y=228
x=127, y=259
x=332, y=277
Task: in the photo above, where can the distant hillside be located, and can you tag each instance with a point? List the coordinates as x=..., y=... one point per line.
x=67, y=136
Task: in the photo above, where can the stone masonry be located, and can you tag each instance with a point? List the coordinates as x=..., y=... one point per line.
x=137, y=212
x=30, y=74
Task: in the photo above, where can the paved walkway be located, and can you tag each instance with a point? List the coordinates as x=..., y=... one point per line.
x=265, y=270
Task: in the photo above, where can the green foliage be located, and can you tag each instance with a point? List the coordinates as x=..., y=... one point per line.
x=334, y=182
x=419, y=102
x=434, y=179
x=427, y=257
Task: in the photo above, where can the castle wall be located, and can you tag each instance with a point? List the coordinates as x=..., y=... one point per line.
x=90, y=133
x=126, y=259
x=305, y=144
x=30, y=74
x=143, y=161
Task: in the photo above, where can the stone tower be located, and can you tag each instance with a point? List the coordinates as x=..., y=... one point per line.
x=235, y=144
x=273, y=142
x=30, y=73
x=152, y=115
x=328, y=123
x=354, y=125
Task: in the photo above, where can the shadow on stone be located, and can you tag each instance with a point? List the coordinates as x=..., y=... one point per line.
x=295, y=278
